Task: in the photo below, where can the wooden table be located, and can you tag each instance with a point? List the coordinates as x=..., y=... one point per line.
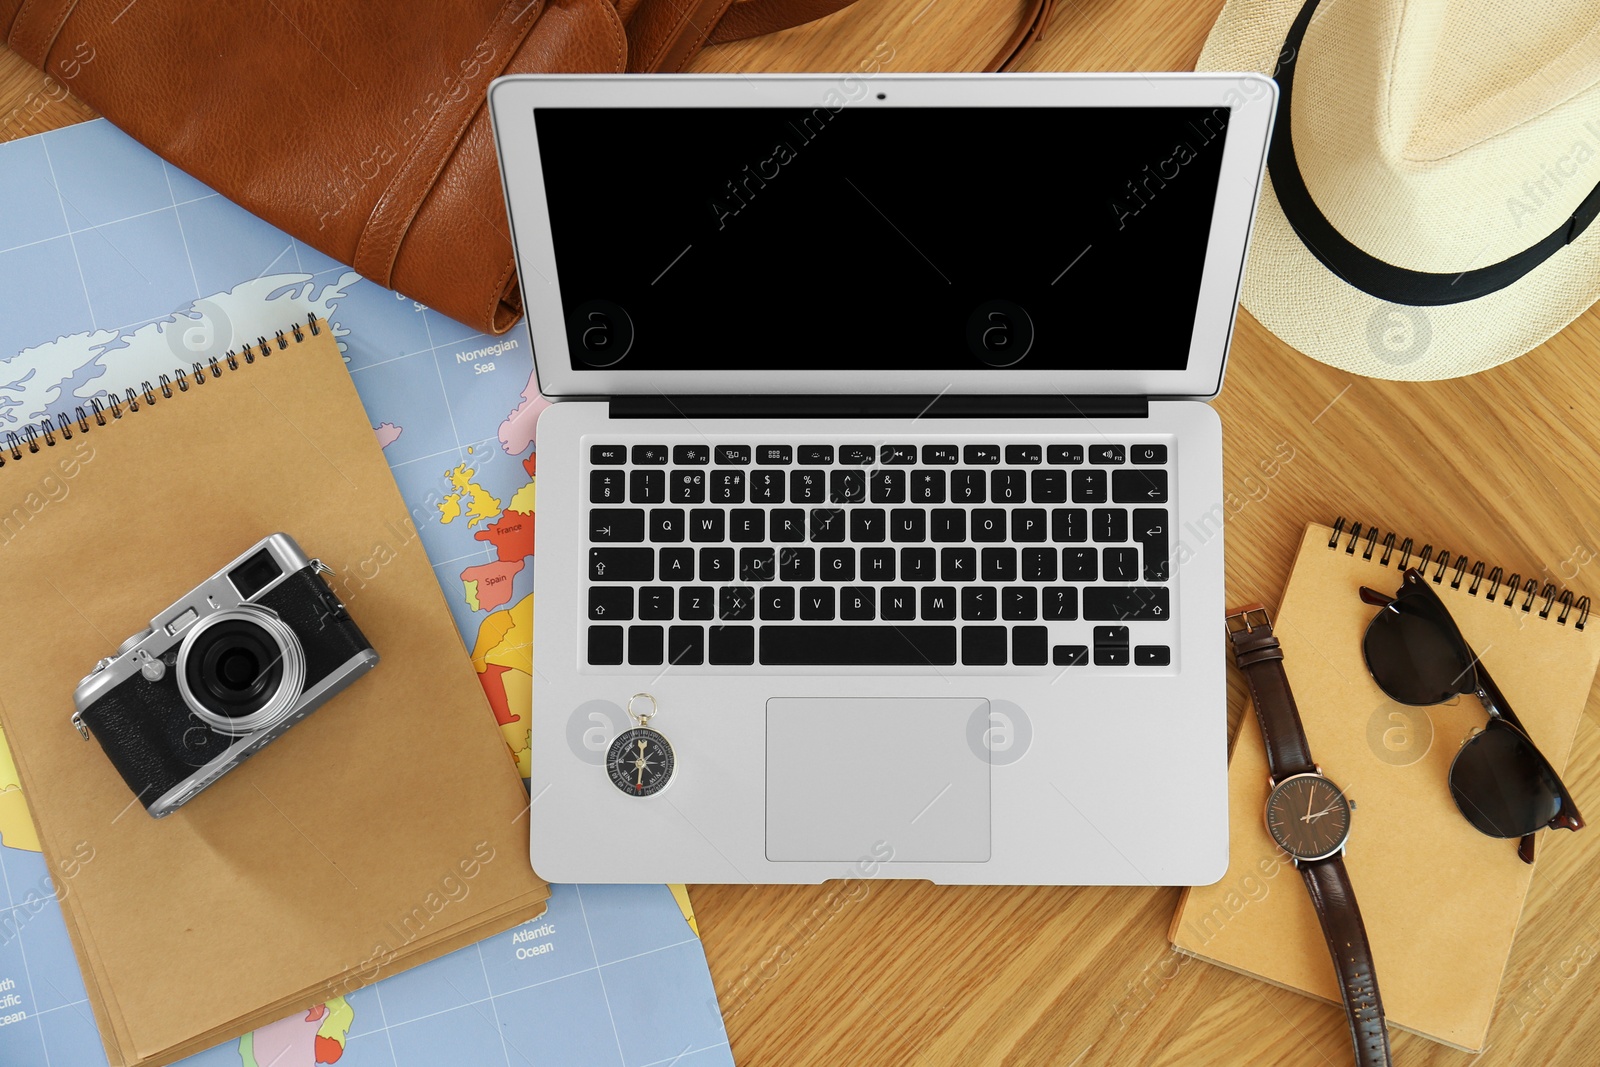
x=912, y=974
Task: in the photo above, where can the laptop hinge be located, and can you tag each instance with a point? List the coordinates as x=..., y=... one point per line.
x=943, y=406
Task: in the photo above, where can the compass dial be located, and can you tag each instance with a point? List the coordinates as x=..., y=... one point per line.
x=1308, y=817
x=640, y=762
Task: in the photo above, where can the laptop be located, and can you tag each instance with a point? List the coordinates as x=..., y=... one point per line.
x=880, y=508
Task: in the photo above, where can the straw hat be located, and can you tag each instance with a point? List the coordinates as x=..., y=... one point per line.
x=1433, y=175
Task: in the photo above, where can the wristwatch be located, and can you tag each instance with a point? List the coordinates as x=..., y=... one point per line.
x=1309, y=818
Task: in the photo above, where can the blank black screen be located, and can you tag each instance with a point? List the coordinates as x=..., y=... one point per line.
x=880, y=238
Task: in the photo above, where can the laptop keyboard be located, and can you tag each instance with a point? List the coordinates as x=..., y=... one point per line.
x=913, y=554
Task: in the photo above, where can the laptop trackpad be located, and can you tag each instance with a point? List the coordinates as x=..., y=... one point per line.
x=850, y=777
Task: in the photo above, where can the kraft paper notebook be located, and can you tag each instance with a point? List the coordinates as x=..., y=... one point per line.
x=1417, y=866
x=385, y=829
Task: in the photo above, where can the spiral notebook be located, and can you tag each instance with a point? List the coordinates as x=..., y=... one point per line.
x=1419, y=869
x=383, y=830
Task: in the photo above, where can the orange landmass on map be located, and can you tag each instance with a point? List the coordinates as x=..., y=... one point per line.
x=494, y=687
x=512, y=537
x=530, y=463
x=328, y=1050
x=494, y=582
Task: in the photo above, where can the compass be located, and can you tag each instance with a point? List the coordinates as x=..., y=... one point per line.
x=640, y=761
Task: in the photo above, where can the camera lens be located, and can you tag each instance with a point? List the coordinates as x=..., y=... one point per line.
x=240, y=669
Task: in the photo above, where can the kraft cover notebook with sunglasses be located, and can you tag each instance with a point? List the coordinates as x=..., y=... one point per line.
x=384, y=829
x=1417, y=865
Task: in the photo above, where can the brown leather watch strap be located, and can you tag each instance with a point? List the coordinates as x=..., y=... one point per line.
x=1335, y=901
x=1260, y=657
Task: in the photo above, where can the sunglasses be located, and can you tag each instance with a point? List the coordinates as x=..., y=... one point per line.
x=1500, y=780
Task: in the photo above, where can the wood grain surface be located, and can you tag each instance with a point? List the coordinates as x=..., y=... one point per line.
x=1502, y=465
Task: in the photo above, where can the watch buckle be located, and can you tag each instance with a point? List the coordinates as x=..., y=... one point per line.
x=1247, y=618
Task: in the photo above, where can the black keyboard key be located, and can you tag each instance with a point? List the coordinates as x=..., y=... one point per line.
x=1127, y=602
x=1008, y=487
x=708, y=525
x=838, y=565
x=1023, y=454
x=677, y=565
x=877, y=564
x=958, y=564
x=968, y=487
x=1065, y=455
x=691, y=455
x=607, y=487
x=1110, y=525
x=774, y=455
x=666, y=525
x=1000, y=564
x=1069, y=524
x=727, y=487
x=938, y=602
x=1038, y=564
x=645, y=645
x=908, y=525
x=610, y=603
x=809, y=487
x=1080, y=564
x=1139, y=487
x=747, y=525
x=687, y=487
x=797, y=565
x=941, y=455
x=776, y=602
x=1150, y=530
x=1105, y=455
x=981, y=455
x=1070, y=656
x=917, y=565
x=650, y=456
x=1027, y=524
x=1019, y=603
x=897, y=455
x=927, y=487
x=1152, y=655
x=846, y=646
x=736, y=603
x=766, y=487
x=1060, y=603
x=733, y=646
x=622, y=564
x=757, y=564
x=888, y=487
x=1111, y=646
x=655, y=602
x=868, y=525
x=1120, y=565
x=786, y=525
x=1088, y=487
x=816, y=602
x=686, y=645
x=616, y=524
x=647, y=487
x=816, y=455
x=827, y=524
x=979, y=603
x=696, y=602
x=1147, y=456
x=858, y=455
x=716, y=564
x=847, y=486
x=736, y=455
x=1049, y=486
x=857, y=603
x=983, y=646
x=1030, y=646
x=947, y=525
x=899, y=602
x=988, y=524
x=605, y=645
x=608, y=455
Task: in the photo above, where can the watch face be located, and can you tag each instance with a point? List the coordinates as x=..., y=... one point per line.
x=640, y=762
x=1308, y=817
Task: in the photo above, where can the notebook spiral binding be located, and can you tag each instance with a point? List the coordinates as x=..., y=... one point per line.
x=1457, y=568
x=44, y=433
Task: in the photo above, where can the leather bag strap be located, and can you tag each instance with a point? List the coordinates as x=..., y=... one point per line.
x=1335, y=900
x=1259, y=655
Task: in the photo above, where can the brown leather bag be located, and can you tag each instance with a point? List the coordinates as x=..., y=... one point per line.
x=360, y=128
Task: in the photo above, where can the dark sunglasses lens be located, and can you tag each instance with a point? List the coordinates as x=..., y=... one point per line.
x=1501, y=784
x=1413, y=658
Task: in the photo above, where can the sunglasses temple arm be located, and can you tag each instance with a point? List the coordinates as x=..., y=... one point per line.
x=1495, y=703
x=1375, y=598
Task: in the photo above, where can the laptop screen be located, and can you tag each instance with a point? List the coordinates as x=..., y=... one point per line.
x=1036, y=238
